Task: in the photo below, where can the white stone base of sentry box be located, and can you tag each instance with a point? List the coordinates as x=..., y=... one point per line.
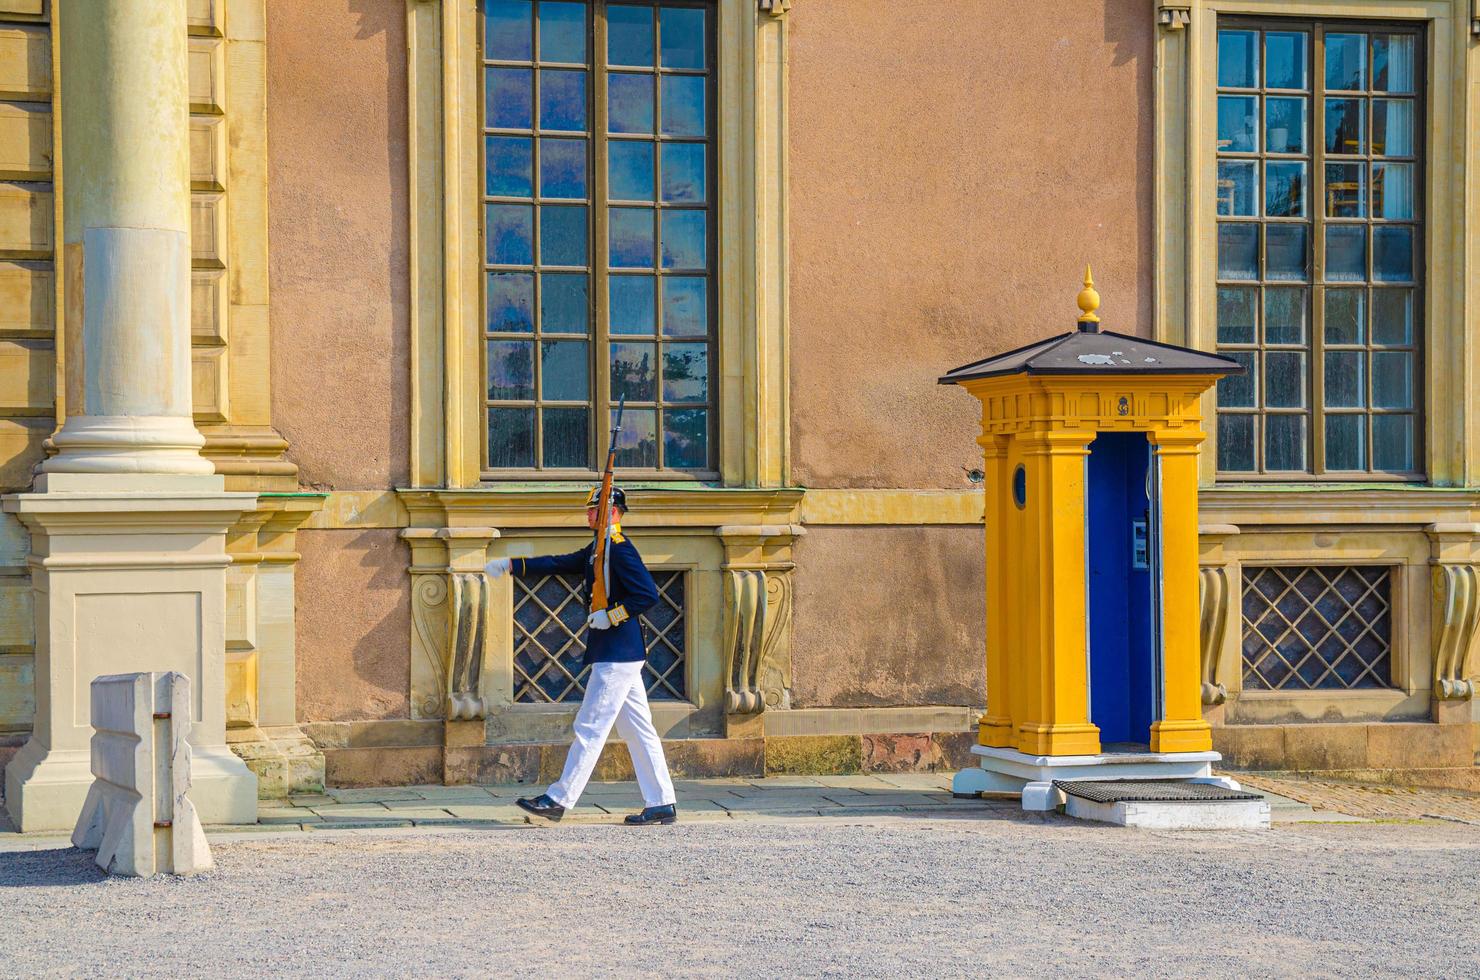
x=1219, y=815
x=1030, y=777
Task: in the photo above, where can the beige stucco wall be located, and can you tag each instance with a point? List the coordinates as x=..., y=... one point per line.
x=336, y=113
x=954, y=164
x=889, y=616
x=354, y=626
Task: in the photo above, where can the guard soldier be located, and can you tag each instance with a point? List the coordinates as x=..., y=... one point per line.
x=615, y=692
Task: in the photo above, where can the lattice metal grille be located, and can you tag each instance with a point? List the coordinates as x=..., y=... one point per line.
x=1320, y=627
x=550, y=639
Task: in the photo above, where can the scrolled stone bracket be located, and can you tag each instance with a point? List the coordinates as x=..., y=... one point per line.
x=1456, y=610
x=1215, y=591
x=776, y=8
x=757, y=622
x=450, y=600
x=1174, y=16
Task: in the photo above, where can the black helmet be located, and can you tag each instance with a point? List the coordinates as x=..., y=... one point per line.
x=619, y=498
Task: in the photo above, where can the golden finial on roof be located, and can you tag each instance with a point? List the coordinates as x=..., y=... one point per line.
x=1089, y=299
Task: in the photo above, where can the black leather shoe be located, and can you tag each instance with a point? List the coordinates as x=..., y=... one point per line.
x=667, y=813
x=542, y=806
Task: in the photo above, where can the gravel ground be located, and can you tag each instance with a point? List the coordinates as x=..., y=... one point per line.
x=880, y=896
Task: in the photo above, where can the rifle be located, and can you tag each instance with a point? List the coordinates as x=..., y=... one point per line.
x=604, y=517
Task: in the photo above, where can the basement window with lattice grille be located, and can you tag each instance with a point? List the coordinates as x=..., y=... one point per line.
x=1317, y=628
x=550, y=639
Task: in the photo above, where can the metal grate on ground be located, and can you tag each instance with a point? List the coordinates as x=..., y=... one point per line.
x=550, y=639
x=1150, y=791
x=1317, y=627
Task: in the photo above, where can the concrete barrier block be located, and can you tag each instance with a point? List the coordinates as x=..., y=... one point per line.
x=138, y=814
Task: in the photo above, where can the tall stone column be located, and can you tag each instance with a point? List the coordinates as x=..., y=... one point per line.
x=128, y=521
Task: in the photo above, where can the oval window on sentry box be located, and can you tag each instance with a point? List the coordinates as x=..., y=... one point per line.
x=1020, y=487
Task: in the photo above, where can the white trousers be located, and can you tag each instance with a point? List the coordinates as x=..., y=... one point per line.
x=615, y=695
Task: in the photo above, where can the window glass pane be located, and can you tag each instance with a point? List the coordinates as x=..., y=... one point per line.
x=630, y=165
x=508, y=95
x=1237, y=390
x=562, y=31
x=631, y=234
x=1284, y=125
x=1392, y=316
x=683, y=105
x=632, y=305
x=1284, y=59
x=564, y=371
x=509, y=166
x=510, y=231
x=1238, y=251
x=1346, y=442
x=1287, y=252
x=1392, y=379
x=1238, y=188
x=683, y=173
x=1284, y=443
x=1238, y=123
x=1237, y=314
x=563, y=235
x=508, y=30
x=1393, y=440
x=1346, y=190
x=510, y=437
x=1392, y=253
x=510, y=302
x=637, y=443
x=685, y=306
x=685, y=243
x=1346, y=61
x=1346, y=126
x=1284, y=315
x=686, y=438
x=564, y=303
x=1392, y=127
x=1345, y=316
x=566, y=436
x=1392, y=62
x=1392, y=190
x=510, y=369
x=1236, y=443
x=629, y=35
x=563, y=168
x=562, y=99
x=1238, y=59
x=1346, y=387
x=634, y=372
x=1346, y=253
x=1284, y=379
x=1284, y=190
x=629, y=103
x=682, y=29
x=685, y=372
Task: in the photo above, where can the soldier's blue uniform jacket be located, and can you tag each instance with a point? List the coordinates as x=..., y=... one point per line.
x=630, y=590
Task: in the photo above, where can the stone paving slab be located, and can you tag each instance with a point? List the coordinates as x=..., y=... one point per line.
x=1370, y=801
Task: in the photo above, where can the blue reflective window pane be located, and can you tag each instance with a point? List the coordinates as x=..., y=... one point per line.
x=562, y=31
x=1346, y=442
x=565, y=371
x=630, y=169
x=637, y=443
x=1238, y=123
x=564, y=304
x=631, y=234
x=1285, y=381
x=1238, y=251
x=1284, y=189
x=682, y=30
x=686, y=438
x=629, y=103
x=510, y=369
x=508, y=94
x=1238, y=188
x=563, y=168
x=632, y=307
x=563, y=236
x=685, y=372
x=684, y=110
x=1284, y=442
x=1238, y=314
x=684, y=173
x=1287, y=252
x=510, y=437
x=1346, y=61
x=562, y=99
x=1236, y=443
x=684, y=239
x=1237, y=390
x=1238, y=59
x=1285, y=312
x=1392, y=316
x=1346, y=126
x=1284, y=59
x=510, y=231
x=1346, y=253
x=1392, y=253
x=1346, y=190
x=1392, y=62
x=509, y=166
x=508, y=30
x=566, y=438
x=629, y=35
x=634, y=372
x=1284, y=125
x=1345, y=385
x=1393, y=440
x=510, y=302
x=685, y=306
x=1346, y=316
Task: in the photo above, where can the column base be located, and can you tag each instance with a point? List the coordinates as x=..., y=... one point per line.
x=1058, y=739
x=285, y=760
x=45, y=788
x=1007, y=771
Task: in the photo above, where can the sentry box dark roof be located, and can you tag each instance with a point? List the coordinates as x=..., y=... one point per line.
x=1089, y=352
